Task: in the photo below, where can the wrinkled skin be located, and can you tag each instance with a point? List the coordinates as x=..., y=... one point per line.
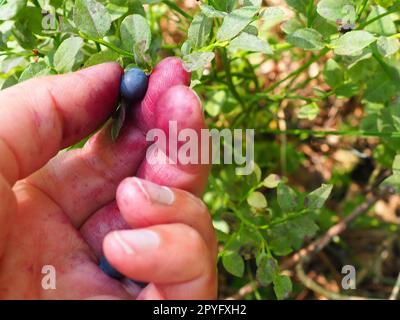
x=67, y=209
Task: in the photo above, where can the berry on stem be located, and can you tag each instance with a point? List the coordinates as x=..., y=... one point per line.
x=134, y=84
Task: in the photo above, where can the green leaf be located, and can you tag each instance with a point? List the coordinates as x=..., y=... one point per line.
x=101, y=57
x=298, y=5
x=282, y=286
x=385, y=3
x=11, y=8
x=119, y=120
x=334, y=10
x=309, y=111
x=384, y=26
x=200, y=30
x=9, y=82
x=302, y=227
x=382, y=87
x=92, y=18
x=250, y=29
x=307, y=39
x=287, y=198
x=235, y=22
x=267, y=268
x=24, y=36
x=257, y=200
x=116, y=11
x=233, y=263
x=388, y=46
x=316, y=199
x=67, y=53
x=31, y=19
x=394, y=180
x=3, y=45
x=28, y=22
x=11, y=63
x=211, y=12
x=249, y=42
x=225, y=5
x=252, y=3
x=272, y=16
x=197, y=60
x=272, y=181
x=35, y=69
x=353, y=42
x=135, y=33
x=291, y=26
x=333, y=73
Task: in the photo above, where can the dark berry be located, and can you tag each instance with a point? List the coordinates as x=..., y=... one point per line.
x=347, y=28
x=134, y=84
x=108, y=269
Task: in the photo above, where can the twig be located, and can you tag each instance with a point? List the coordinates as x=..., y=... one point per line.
x=317, y=245
x=314, y=286
x=320, y=243
x=396, y=289
x=355, y=133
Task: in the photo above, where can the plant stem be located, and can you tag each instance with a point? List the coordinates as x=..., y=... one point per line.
x=299, y=70
x=360, y=12
x=36, y=3
x=231, y=86
x=310, y=13
x=356, y=133
x=378, y=17
x=176, y=8
x=108, y=45
x=283, y=220
x=211, y=47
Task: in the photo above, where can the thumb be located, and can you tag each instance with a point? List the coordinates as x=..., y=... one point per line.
x=41, y=116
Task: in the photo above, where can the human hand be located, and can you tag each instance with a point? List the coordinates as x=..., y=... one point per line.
x=56, y=209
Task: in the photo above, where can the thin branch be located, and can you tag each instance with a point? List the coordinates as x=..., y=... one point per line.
x=314, y=286
x=319, y=244
x=314, y=247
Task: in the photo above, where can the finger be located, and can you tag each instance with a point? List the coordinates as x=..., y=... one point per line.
x=41, y=116
x=179, y=107
x=202, y=288
x=8, y=206
x=151, y=292
x=168, y=73
x=143, y=204
x=101, y=223
x=161, y=254
x=43, y=236
x=181, y=104
x=83, y=181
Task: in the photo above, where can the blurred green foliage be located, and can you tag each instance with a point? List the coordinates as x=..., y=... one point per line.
x=226, y=43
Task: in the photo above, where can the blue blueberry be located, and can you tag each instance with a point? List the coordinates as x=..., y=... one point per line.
x=134, y=84
x=109, y=270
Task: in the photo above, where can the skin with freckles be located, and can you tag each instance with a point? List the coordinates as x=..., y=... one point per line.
x=67, y=209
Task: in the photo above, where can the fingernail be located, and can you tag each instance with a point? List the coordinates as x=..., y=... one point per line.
x=132, y=241
x=154, y=192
